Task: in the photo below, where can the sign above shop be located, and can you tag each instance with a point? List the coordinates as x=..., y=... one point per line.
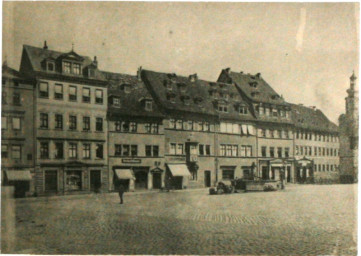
x=131, y=161
x=178, y=159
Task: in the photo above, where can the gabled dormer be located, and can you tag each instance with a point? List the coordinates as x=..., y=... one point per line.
x=147, y=103
x=241, y=108
x=70, y=63
x=114, y=101
x=221, y=105
x=48, y=64
x=185, y=99
x=91, y=69
x=171, y=96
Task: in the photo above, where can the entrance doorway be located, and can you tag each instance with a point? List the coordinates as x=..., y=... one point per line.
x=157, y=180
x=265, y=173
x=178, y=182
x=207, y=178
x=141, y=178
x=95, y=180
x=51, y=181
x=288, y=173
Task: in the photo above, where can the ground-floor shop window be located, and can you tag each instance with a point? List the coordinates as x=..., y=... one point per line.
x=228, y=174
x=73, y=180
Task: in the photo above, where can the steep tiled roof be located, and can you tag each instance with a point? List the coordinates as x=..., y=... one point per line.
x=180, y=93
x=130, y=103
x=35, y=56
x=253, y=86
x=311, y=118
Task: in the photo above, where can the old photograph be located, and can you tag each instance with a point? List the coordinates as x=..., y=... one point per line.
x=187, y=128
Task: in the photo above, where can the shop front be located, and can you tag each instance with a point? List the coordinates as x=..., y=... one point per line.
x=177, y=176
x=20, y=180
x=304, y=173
x=276, y=169
x=124, y=177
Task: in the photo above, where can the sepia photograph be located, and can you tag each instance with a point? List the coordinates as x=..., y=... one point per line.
x=179, y=128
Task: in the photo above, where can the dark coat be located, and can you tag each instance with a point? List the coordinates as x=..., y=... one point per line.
x=121, y=190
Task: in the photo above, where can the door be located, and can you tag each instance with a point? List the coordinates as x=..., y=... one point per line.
x=157, y=180
x=265, y=173
x=95, y=180
x=178, y=182
x=288, y=173
x=141, y=178
x=207, y=178
x=51, y=181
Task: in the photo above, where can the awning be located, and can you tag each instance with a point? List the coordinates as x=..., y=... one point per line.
x=124, y=174
x=23, y=175
x=179, y=169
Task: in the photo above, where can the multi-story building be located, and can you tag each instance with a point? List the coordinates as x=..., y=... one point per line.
x=135, y=135
x=17, y=145
x=348, y=124
x=274, y=136
x=70, y=106
x=316, y=146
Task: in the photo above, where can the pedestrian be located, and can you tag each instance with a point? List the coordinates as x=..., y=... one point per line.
x=121, y=191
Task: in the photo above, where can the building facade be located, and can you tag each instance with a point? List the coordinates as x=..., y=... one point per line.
x=70, y=106
x=348, y=126
x=17, y=144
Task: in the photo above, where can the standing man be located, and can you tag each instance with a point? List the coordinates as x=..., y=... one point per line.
x=121, y=192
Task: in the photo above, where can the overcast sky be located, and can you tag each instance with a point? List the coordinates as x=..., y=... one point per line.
x=305, y=51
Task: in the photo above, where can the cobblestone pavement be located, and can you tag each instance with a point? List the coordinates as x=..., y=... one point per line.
x=309, y=219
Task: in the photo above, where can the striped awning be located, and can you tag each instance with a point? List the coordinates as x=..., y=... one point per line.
x=179, y=169
x=21, y=175
x=124, y=174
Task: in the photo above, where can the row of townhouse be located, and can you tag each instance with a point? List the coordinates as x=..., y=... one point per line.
x=83, y=129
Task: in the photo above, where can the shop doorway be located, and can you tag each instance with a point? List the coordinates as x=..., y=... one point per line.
x=95, y=180
x=265, y=173
x=141, y=178
x=51, y=181
x=73, y=180
x=178, y=182
x=157, y=180
x=207, y=178
x=288, y=173
x=21, y=187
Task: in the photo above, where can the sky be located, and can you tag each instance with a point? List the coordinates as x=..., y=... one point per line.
x=305, y=51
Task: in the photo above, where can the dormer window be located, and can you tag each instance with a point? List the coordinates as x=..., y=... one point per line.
x=186, y=99
x=274, y=112
x=198, y=101
x=243, y=110
x=66, y=67
x=116, y=101
x=127, y=88
x=222, y=107
x=50, y=66
x=91, y=72
x=148, y=105
x=171, y=97
x=182, y=87
x=253, y=84
x=76, y=68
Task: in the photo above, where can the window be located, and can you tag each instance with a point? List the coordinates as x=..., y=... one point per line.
x=179, y=125
x=16, y=99
x=4, y=151
x=172, y=148
x=279, y=152
x=267, y=111
x=50, y=66
x=73, y=148
x=154, y=128
x=222, y=108
x=44, y=150
x=44, y=120
x=59, y=150
x=297, y=151
x=72, y=122
x=262, y=132
x=43, y=90
x=127, y=88
x=227, y=174
x=126, y=149
x=243, y=110
x=134, y=150
x=72, y=93
x=133, y=127
x=223, y=150
x=261, y=111
x=86, y=151
x=148, y=150
x=99, y=124
x=4, y=123
x=58, y=121
x=152, y=150
x=272, y=151
x=206, y=126
x=310, y=151
x=301, y=150
x=16, y=151
x=58, y=92
x=117, y=150
x=66, y=67
x=99, y=151
x=155, y=150
x=116, y=101
x=86, y=95
x=272, y=134
x=287, y=152
x=190, y=125
x=320, y=151
x=201, y=149
x=208, y=150
x=91, y=72
x=125, y=126
x=180, y=149
x=16, y=123
x=246, y=151
x=76, y=68
x=117, y=126
x=263, y=151
x=279, y=133
x=274, y=112
x=148, y=105
x=171, y=123
x=229, y=150
x=86, y=123
x=99, y=96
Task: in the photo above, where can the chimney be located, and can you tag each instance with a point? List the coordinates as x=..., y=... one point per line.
x=139, y=71
x=45, y=46
x=313, y=107
x=228, y=70
x=193, y=77
x=95, y=61
x=258, y=75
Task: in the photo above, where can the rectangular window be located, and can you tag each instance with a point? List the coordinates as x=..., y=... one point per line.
x=16, y=123
x=223, y=108
x=73, y=93
x=148, y=105
x=117, y=150
x=223, y=127
x=86, y=151
x=180, y=149
x=73, y=148
x=133, y=127
x=43, y=90
x=154, y=128
x=58, y=93
x=16, y=99
x=272, y=151
x=223, y=150
x=66, y=67
x=44, y=120
x=243, y=150
x=99, y=96
x=155, y=150
x=99, y=124
x=86, y=95
x=297, y=151
x=76, y=68
x=279, y=152
x=50, y=66
x=126, y=149
x=267, y=110
x=264, y=151
x=4, y=151
x=243, y=110
x=59, y=150
x=44, y=150
x=227, y=174
x=206, y=126
x=86, y=123
x=272, y=134
x=125, y=127
x=148, y=150
x=301, y=150
x=134, y=150
x=4, y=122
x=116, y=101
x=201, y=149
x=315, y=151
x=171, y=123
x=58, y=121
x=148, y=128
x=117, y=126
x=287, y=152
x=16, y=151
x=261, y=111
x=280, y=133
x=72, y=122
x=172, y=148
x=310, y=151
x=179, y=125
x=208, y=150
x=99, y=152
